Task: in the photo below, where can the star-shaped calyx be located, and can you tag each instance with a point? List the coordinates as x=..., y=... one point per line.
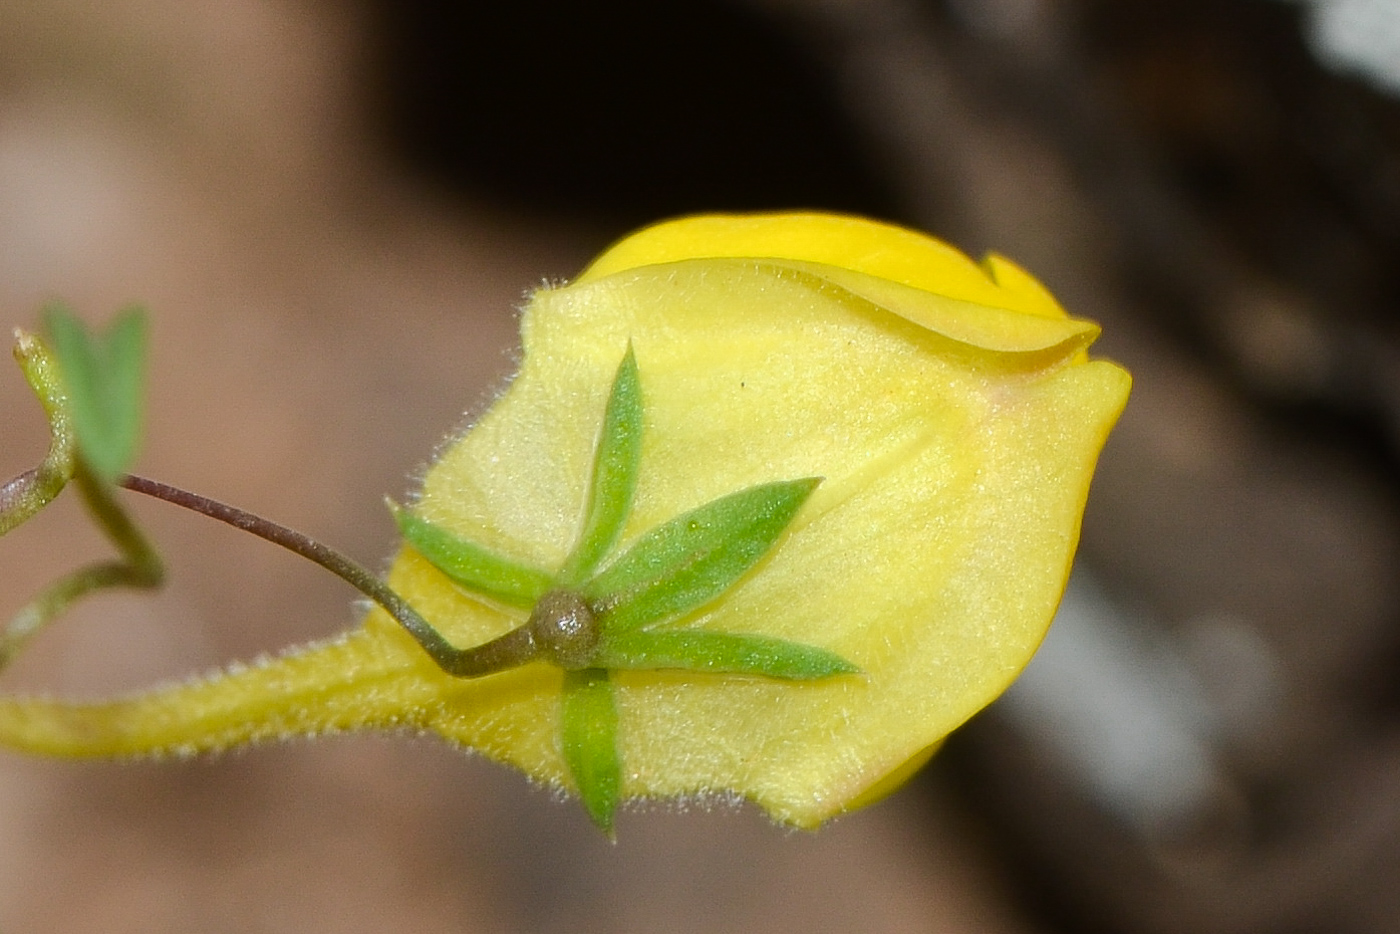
x=602, y=610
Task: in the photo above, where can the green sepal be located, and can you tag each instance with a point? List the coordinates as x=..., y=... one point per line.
x=104, y=375
x=588, y=734
x=468, y=564
x=695, y=557
x=615, y=467
x=722, y=653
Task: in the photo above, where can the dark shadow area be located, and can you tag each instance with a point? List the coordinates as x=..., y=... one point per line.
x=620, y=111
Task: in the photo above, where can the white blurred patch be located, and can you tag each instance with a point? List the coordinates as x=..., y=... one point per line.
x=1125, y=709
x=1359, y=36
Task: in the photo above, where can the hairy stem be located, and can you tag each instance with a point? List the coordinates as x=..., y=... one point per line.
x=34, y=489
x=22, y=497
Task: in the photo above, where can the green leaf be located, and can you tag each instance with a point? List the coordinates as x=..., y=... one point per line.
x=478, y=569
x=722, y=653
x=589, y=736
x=104, y=376
x=695, y=557
x=615, y=468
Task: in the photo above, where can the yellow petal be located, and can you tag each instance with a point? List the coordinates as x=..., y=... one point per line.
x=838, y=241
x=950, y=408
x=957, y=452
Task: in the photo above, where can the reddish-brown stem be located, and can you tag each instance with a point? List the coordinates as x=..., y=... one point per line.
x=514, y=648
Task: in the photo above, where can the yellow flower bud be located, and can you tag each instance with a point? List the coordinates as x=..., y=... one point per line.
x=949, y=408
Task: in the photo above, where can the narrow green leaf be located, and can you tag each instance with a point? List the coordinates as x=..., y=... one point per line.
x=588, y=730
x=614, y=473
x=478, y=569
x=104, y=376
x=695, y=557
x=722, y=653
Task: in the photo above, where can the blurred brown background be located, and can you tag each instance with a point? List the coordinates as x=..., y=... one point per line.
x=333, y=211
